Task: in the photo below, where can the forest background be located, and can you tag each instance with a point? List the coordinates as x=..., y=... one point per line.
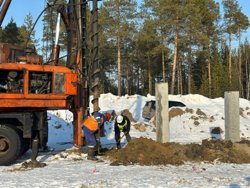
x=194, y=45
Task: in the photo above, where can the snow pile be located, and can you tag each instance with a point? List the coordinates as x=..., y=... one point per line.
x=190, y=124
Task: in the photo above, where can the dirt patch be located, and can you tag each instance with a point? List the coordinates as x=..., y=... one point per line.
x=175, y=112
x=211, y=119
x=189, y=110
x=145, y=151
x=140, y=127
x=201, y=113
x=28, y=166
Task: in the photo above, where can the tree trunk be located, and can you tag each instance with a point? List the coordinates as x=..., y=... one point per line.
x=163, y=65
x=127, y=78
x=209, y=77
x=138, y=79
x=174, y=63
x=150, y=88
x=240, y=71
x=178, y=77
x=189, y=69
x=180, y=90
x=119, y=65
x=248, y=78
x=230, y=61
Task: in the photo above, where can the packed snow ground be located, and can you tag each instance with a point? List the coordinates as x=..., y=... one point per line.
x=74, y=170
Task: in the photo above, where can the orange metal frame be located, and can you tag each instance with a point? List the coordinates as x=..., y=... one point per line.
x=51, y=100
x=47, y=101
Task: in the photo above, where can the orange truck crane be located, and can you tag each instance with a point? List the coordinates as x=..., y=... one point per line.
x=29, y=87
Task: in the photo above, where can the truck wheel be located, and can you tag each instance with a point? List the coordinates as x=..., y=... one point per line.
x=10, y=144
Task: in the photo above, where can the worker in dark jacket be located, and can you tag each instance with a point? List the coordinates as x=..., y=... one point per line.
x=91, y=127
x=122, y=124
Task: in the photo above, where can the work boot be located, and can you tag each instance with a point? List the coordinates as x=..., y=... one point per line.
x=98, y=147
x=92, y=154
x=118, y=145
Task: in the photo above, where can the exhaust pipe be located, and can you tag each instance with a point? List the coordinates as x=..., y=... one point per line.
x=56, y=47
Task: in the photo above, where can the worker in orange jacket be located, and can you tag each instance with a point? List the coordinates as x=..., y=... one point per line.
x=91, y=127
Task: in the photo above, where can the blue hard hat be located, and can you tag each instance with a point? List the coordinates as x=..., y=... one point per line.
x=98, y=117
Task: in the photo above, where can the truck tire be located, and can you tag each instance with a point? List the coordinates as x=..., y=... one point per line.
x=10, y=144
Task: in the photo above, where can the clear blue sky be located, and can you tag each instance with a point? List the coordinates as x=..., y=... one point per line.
x=20, y=8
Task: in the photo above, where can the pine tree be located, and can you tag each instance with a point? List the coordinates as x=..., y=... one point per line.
x=231, y=8
x=26, y=35
x=10, y=33
x=151, y=9
x=242, y=22
x=148, y=43
x=208, y=37
x=118, y=25
x=246, y=70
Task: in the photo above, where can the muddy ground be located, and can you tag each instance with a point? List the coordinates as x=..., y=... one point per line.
x=145, y=151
